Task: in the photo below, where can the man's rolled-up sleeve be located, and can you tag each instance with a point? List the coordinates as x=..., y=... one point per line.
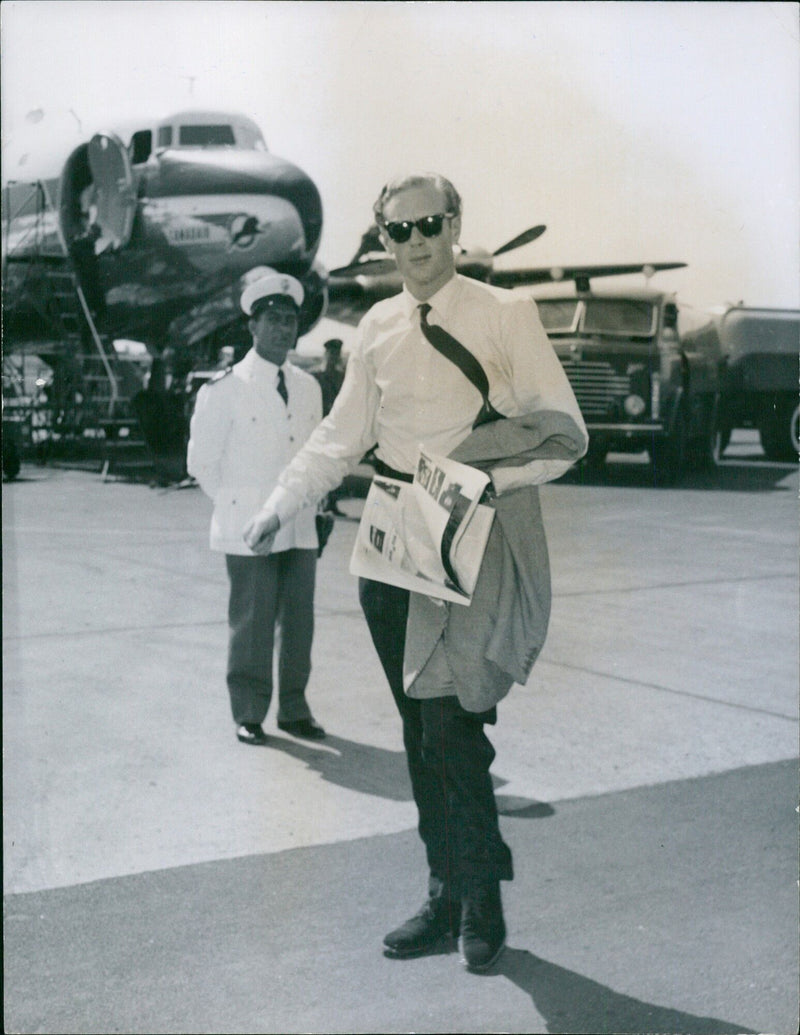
x=335, y=447
x=539, y=383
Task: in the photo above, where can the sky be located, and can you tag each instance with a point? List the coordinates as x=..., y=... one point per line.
x=653, y=131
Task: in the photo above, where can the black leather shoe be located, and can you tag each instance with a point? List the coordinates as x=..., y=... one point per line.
x=251, y=733
x=306, y=728
x=426, y=931
x=483, y=929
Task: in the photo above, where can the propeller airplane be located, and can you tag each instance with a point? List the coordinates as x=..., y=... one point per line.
x=151, y=242
x=372, y=274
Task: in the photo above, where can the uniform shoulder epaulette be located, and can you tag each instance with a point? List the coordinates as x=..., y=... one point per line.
x=219, y=375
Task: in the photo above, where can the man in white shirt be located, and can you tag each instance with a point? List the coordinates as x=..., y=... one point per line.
x=247, y=425
x=401, y=390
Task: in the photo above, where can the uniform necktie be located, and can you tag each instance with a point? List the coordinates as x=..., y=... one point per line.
x=453, y=350
x=282, y=390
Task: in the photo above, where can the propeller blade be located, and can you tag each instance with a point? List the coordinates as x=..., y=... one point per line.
x=371, y=266
x=524, y=238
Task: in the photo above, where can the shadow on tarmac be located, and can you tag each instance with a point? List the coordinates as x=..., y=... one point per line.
x=522, y=808
x=745, y=474
x=383, y=773
x=350, y=764
x=571, y=1003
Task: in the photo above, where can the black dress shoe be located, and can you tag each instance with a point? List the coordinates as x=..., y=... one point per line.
x=306, y=728
x=426, y=931
x=251, y=733
x=483, y=929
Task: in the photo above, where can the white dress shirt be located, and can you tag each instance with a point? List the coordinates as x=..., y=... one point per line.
x=400, y=393
x=242, y=435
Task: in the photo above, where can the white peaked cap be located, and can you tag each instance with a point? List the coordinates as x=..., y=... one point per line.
x=263, y=282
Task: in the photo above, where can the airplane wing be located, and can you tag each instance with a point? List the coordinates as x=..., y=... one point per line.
x=353, y=289
x=580, y=274
x=348, y=308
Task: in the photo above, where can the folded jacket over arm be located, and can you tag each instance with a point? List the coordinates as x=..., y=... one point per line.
x=478, y=652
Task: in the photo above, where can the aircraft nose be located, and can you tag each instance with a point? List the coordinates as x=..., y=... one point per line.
x=218, y=171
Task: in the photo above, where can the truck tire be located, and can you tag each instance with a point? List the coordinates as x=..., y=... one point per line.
x=703, y=452
x=668, y=454
x=12, y=462
x=595, y=457
x=779, y=432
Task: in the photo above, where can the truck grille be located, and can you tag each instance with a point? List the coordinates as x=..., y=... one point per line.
x=597, y=386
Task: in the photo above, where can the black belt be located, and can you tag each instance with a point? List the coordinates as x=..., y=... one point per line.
x=385, y=471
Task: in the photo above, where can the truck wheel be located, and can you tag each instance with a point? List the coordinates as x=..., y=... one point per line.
x=668, y=455
x=780, y=433
x=595, y=457
x=11, y=461
x=704, y=454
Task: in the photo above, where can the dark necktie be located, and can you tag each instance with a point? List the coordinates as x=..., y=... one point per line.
x=282, y=392
x=453, y=350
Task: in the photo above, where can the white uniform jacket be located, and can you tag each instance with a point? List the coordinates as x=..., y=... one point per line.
x=242, y=435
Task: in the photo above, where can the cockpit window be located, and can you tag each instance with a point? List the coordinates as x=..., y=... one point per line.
x=618, y=316
x=164, y=136
x=206, y=136
x=597, y=316
x=558, y=314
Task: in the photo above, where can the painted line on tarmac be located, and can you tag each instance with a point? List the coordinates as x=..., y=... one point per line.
x=671, y=690
x=139, y=533
x=114, y=629
x=683, y=584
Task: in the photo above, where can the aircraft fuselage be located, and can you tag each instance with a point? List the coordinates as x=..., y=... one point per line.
x=197, y=220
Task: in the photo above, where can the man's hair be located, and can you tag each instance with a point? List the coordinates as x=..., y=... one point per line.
x=401, y=183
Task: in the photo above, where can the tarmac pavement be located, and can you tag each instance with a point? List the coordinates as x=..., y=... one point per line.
x=161, y=877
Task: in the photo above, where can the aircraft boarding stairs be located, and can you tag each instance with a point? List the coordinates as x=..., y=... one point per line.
x=90, y=417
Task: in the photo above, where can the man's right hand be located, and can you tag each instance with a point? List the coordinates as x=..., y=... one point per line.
x=260, y=531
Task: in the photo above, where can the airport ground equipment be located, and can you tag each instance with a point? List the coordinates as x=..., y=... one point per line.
x=78, y=399
x=639, y=384
x=760, y=350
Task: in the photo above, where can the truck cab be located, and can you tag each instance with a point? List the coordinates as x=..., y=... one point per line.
x=638, y=384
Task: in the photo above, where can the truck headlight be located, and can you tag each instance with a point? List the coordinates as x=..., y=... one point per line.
x=634, y=405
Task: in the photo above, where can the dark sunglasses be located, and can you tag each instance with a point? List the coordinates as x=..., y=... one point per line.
x=428, y=226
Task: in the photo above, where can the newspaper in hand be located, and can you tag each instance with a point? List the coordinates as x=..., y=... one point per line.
x=429, y=535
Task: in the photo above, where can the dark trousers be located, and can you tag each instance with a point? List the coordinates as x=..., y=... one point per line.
x=270, y=598
x=449, y=756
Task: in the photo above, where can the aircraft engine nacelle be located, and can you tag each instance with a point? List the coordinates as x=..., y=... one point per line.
x=315, y=302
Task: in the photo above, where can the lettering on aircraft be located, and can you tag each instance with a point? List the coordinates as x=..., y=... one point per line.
x=197, y=233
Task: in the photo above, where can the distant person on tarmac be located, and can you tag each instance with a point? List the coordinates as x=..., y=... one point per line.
x=248, y=423
x=163, y=425
x=331, y=375
x=468, y=371
x=330, y=379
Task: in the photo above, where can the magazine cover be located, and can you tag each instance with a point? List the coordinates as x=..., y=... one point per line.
x=428, y=535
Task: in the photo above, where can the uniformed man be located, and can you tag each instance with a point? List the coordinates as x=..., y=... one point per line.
x=248, y=423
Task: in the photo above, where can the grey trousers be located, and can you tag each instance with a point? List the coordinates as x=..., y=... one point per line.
x=271, y=604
